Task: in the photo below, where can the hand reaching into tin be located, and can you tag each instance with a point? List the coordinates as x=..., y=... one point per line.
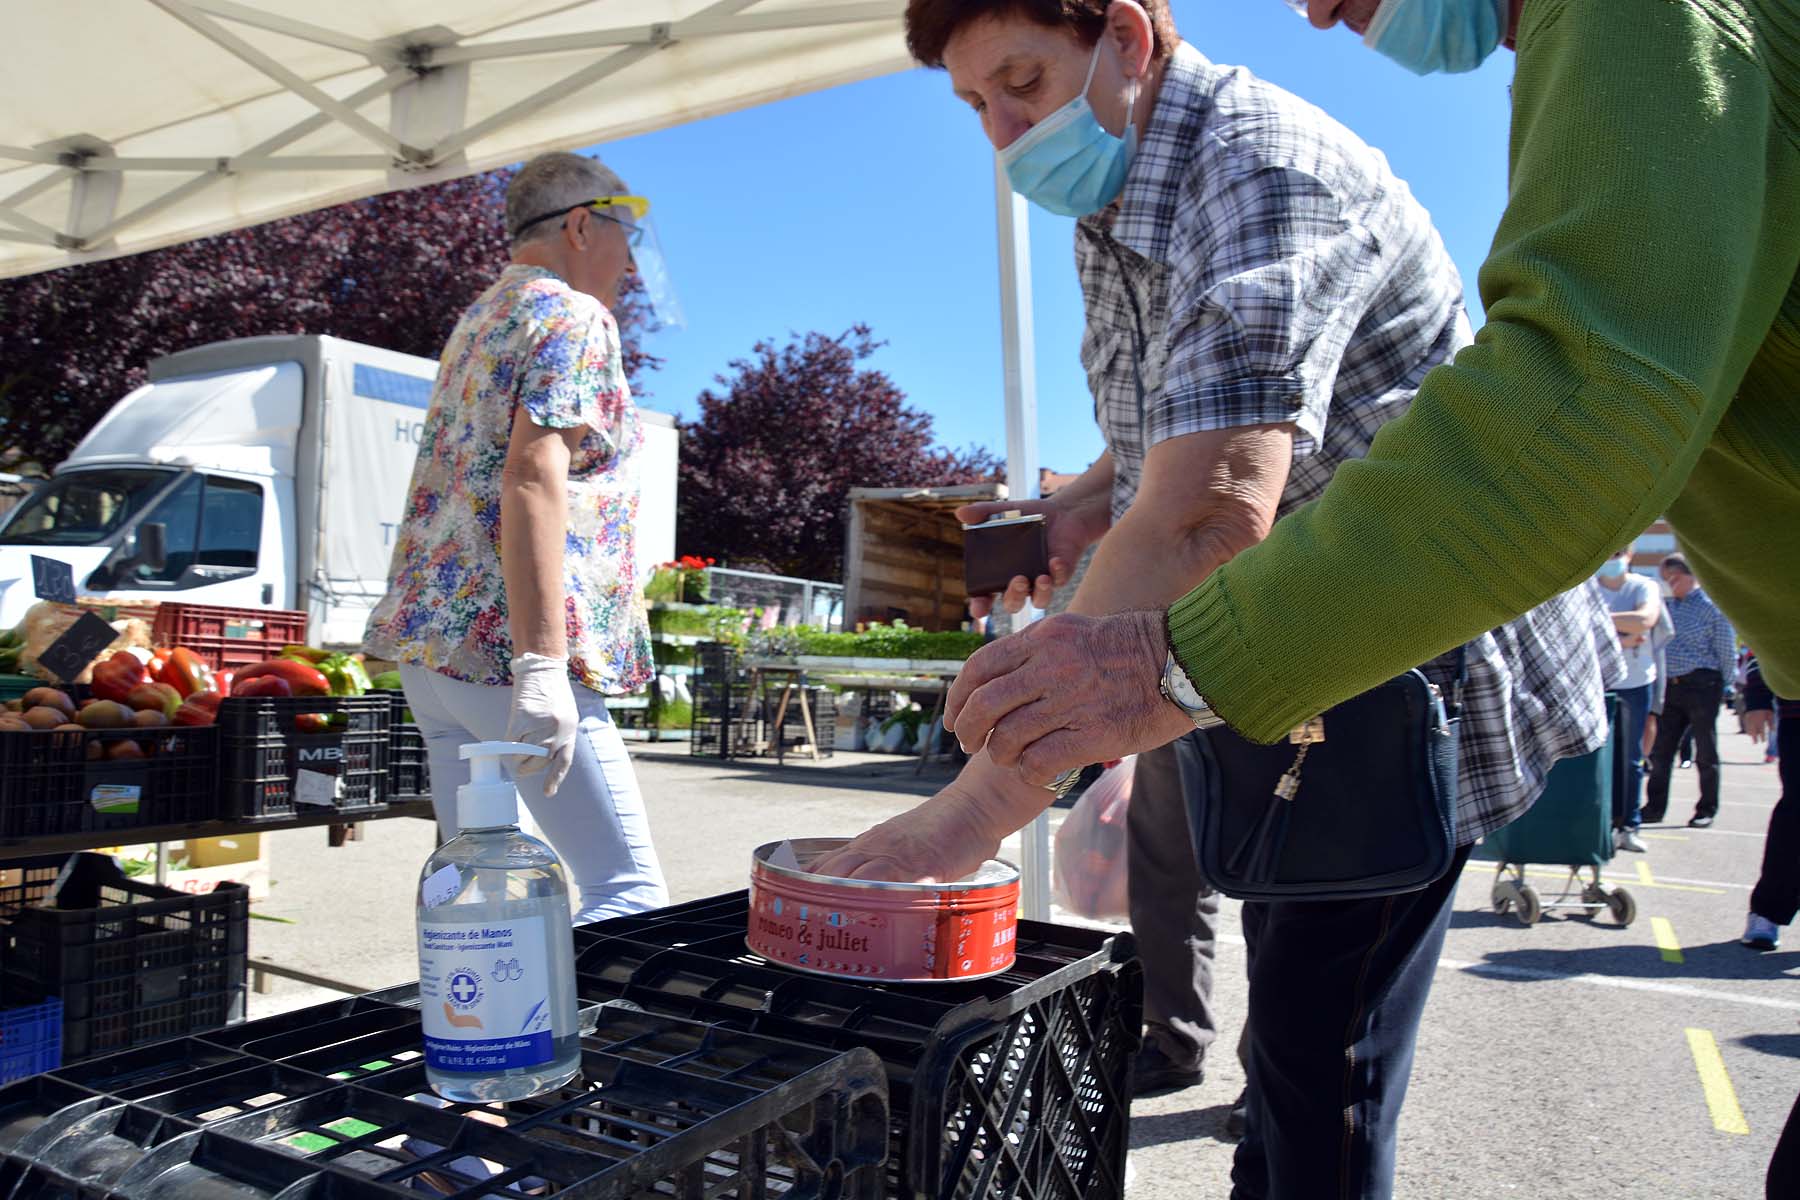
x=941, y=840
x=1065, y=692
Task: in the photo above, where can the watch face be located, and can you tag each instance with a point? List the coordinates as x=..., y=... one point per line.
x=1182, y=688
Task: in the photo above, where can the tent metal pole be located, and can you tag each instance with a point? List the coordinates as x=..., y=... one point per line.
x=1018, y=356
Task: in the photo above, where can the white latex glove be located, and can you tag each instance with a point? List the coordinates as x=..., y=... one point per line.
x=543, y=714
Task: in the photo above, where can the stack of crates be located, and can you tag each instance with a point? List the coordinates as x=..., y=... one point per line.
x=726, y=715
x=1016, y=1086
x=332, y=1102
x=128, y=961
x=823, y=703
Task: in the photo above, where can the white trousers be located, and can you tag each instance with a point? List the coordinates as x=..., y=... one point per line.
x=596, y=821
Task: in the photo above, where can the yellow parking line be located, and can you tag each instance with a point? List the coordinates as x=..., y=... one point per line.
x=1666, y=887
x=1727, y=1116
x=1643, y=872
x=1665, y=940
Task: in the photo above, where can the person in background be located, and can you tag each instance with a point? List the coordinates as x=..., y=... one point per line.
x=1700, y=658
x=514, y=607
x=1776, y=897
x=1637, y=611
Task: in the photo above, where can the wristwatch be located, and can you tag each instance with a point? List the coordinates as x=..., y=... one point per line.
x=1180, y=691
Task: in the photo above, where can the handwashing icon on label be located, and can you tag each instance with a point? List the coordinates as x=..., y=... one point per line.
x=506, y=970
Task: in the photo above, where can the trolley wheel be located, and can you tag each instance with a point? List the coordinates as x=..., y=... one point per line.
x=1624, y=908
x=1530, y=908
x=1503, y=895
x=1596, y=896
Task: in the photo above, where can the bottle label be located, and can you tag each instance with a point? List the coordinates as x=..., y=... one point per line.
x=484, y=994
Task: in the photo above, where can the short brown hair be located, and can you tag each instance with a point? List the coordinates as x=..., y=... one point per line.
x=1678, y=562
x=930, y=24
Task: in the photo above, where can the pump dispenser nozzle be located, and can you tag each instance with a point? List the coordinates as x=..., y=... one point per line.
x=489, y=800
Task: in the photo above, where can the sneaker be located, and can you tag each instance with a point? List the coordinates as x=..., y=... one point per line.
x=1760, y=933
x=1237, y=1121
x=1687, y=763
x=1154, y=1073
x=1699, y=822
x=1629, y=840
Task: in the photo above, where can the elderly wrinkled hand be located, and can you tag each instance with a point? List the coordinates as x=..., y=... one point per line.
x=1066, y=692
x=939, y=841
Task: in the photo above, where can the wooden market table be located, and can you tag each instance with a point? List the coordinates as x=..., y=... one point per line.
x=860, y=674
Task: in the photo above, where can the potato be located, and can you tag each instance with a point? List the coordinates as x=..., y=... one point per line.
x=48, y=697
x=45, y=717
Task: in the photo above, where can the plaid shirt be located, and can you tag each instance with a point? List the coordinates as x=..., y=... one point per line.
x=1704, y=639
x=1262, y=265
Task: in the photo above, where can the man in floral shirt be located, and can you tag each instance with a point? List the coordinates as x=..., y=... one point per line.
x=513, y=603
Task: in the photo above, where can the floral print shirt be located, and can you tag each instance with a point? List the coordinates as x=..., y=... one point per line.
x=529, y=341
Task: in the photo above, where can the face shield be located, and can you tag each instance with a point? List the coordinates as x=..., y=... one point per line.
x=662, y=309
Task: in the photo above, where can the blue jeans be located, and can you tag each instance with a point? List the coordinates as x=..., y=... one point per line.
x=1637, y=707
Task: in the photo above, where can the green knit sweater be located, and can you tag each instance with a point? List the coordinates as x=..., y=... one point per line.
x=1641, y=357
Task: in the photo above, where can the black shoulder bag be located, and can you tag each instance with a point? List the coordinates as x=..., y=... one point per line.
x=1358, y=802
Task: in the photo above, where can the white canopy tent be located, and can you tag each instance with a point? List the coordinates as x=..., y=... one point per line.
x=135, y=124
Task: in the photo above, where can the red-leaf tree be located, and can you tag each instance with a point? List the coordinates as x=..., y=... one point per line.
x=767, y=468
x=395, y=271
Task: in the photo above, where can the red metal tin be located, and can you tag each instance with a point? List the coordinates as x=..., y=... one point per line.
x=893, y=932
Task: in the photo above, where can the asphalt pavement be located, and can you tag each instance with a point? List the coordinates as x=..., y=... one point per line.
x=1573, y=1058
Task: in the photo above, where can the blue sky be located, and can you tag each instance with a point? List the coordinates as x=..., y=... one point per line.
x=875, y=203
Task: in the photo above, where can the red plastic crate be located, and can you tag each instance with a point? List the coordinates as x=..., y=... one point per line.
x=229, y=637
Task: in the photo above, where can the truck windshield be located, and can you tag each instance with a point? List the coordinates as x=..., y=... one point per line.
x=84, y=508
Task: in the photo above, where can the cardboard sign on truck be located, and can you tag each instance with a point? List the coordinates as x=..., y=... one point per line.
x=261, y=473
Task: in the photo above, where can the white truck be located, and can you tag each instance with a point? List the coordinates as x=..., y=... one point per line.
x=267, y=472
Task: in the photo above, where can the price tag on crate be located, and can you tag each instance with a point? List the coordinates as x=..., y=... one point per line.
x=69, y=655
x=316, y=787
x=52, y=579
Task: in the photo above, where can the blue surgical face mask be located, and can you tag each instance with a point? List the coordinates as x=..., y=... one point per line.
x=1427, y=36
x=1067, y=163
x=1612, y=568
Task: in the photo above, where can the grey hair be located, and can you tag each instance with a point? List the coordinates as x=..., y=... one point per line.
x=553, y=183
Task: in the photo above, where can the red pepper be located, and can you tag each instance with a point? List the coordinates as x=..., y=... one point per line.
x=184, y=671
x=202, y=709
x=313, y=723
x=222, y=681
x=262, y=685
x=114, y=678
x=302, y=679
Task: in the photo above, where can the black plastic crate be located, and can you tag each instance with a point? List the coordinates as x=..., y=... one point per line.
x=67, y=782
x=28, y=1106
x=409, y=765
x=662, y=1107
x=793, y=734
x=81, y=1153
x=1012, y=1086
x=270, y=766
x=132, y=962
x=155, y=1069
x=205, y=1164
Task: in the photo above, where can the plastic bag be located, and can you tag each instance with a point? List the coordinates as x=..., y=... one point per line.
x=1090, y=861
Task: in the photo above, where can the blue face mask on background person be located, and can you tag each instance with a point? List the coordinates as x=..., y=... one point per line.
x=1067, y=163
x=1612, y=568
x=1427, y=36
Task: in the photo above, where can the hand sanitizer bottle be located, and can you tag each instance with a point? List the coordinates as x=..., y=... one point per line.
x=496, y=955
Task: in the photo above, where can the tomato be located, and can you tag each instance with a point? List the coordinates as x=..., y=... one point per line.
x=272, y=686
x=302, y=678
x=115, y=678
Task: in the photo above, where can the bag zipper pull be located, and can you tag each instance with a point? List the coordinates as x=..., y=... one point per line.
x=1288, y=786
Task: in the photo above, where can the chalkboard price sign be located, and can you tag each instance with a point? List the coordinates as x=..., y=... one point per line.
x=52, y=579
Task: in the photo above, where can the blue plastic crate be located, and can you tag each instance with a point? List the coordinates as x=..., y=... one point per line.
x=30, y=1040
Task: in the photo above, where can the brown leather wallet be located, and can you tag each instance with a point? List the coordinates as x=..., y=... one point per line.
x=997, y=551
